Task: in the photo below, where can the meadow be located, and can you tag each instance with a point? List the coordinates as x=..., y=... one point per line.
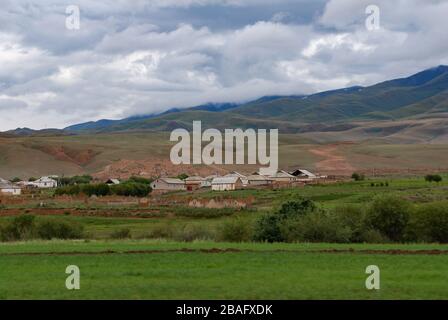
x=199, y=270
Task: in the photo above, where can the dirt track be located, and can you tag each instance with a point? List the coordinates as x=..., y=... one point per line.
x=232, y=250
x=333, y=163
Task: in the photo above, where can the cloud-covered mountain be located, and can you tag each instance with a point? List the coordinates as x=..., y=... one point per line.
x=422, y=95
x=146, y=57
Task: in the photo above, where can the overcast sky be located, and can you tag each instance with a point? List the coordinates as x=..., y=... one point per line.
x=140, y=57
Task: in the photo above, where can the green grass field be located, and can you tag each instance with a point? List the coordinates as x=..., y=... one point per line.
x=160, y=270
x=143, y=268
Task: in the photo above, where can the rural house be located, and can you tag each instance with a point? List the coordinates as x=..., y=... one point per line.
x=207, y=183
x=239, y=175
x=194, y=183
x=168, y=184
x=226, y=183
x=7, y=187
x=44, y=182
x=259, y=180
x=303, y=174
x=282, y=176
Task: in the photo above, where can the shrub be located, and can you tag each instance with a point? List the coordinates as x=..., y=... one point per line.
x=389, y=215
x=267, y=229
x=182, y=176
x=429, y=223
x=20, y=228
x=354, y=218
x=53, y=229
x=296, y=208
x=433, y=178
x=139, y=180
x=100, y=189
x=236, y=230
x=131, y=189
x=318, y=226
x=358, y=176
x=124, y=233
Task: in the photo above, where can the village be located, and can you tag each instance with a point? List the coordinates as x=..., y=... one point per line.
x=228, y=182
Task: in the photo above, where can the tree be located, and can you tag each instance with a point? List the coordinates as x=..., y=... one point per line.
x=182, y=176
x=433, y=178
x=358, y=176
x=389, y=215
x=16, y=179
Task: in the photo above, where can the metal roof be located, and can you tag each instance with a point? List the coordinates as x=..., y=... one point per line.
x=225, y=180
x=172, y=180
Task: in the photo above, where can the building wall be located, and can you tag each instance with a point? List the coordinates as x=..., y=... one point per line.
x=161, y=185
x=223, y=187
x=15, y=192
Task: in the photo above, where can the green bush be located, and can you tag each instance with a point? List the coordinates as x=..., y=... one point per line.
x=354, y=218
x=317, y=226
x=433, y=178
x=142, y=180
x=292, y=209
x=429, y=223
x=236, y=230
x=53, y=229
x=20, y=228
x=358, y=176
x=267, y=229
x=389, y=215
x=131, y=189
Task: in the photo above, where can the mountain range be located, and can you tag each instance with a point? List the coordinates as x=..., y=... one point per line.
x=413, y=101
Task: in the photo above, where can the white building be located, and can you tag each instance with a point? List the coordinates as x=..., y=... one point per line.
x=7, y=187
x=282, y=176
x=243, y=178
x=44, y=183
x=226, y=183
x=168, y=184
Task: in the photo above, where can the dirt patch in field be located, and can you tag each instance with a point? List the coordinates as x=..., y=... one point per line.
x=232, y=250
x=333, y=162
x=121, y=213
x=80, y=157
x=124, y=169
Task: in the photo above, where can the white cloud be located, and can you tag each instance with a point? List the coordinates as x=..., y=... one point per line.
x=142, y=58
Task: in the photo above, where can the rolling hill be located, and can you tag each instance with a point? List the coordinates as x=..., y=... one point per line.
x=392, y=126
